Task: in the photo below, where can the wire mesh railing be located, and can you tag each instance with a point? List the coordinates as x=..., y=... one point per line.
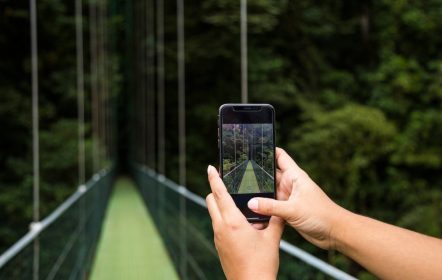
x=162, y=197
x=233, y=177
x=62, y=246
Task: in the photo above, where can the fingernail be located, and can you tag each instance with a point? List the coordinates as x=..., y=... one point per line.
x=253, y=204
x=209, y=168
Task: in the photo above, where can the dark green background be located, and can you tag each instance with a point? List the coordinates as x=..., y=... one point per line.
x=357, y=88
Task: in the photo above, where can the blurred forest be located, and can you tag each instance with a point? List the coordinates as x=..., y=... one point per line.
x=357, y=88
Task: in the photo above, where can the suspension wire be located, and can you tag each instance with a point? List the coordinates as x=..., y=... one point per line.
x=160, y=88
x=148, y=108
x=144, y=29
x=105, y=81
x=106, y=78
x=160, y=107
x=152, y=80
x=137, y=122
x=138, y=85
x=94, y=85
x=99, y=83
x=80, y=90
x=102, y=94
x=181, y=94
x=35, y=113
x=81, y=146
x=143, y=79
x=244, y=62
x=150, y=86
x=35, y=136
x=182, y=133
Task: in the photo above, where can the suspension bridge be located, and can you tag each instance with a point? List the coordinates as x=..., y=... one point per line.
x=146, y=226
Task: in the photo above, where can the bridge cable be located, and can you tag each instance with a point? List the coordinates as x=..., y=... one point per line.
x=102, y=92
x=182, y=132
x=161, y=165
x=80, y=90
x=151, y=79
x=35, y=136
x=94, y=84
x=160, y=87
x=81, y=125
x=244, y=62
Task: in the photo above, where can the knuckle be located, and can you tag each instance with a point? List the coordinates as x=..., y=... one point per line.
x=215, y=229
x=231, y=223
x=271, y=206
x=218, y=193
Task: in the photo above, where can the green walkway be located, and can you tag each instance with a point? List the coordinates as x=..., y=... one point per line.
x=130, y=246
x=249, y=184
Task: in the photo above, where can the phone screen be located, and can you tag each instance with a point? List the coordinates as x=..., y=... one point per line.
x=247, y=152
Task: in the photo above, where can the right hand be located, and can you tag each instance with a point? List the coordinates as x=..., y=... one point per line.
x=301, y=203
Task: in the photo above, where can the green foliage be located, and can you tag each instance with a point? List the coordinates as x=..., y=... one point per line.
x=342, y=150
x=58, y=124
x=357, y=89
x=358, y=95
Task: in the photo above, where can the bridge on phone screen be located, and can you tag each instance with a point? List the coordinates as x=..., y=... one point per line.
x=144, y=225
x=249, y=177
x=249, y=184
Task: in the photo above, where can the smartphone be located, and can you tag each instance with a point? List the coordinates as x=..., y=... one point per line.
x=246, y=141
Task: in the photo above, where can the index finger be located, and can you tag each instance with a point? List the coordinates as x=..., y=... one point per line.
x=276, y=227
x=226, y=205
x=284, y=161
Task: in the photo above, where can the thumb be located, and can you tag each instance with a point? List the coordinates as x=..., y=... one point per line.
x=270, y=207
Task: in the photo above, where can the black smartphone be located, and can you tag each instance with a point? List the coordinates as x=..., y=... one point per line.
x=247, y=153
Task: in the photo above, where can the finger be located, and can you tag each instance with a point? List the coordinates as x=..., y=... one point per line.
x=224, y=201
x=259, y=226
x=284, y=185
x=270, y=207
x=276, y=226
x=284, y=161
x=214, y=213
x=278, y=176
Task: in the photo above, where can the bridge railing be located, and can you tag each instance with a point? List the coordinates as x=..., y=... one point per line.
x=185, y=226
x=233, y=177
x=62, y=245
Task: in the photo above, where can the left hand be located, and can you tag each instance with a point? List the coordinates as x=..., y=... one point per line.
x=245, y=251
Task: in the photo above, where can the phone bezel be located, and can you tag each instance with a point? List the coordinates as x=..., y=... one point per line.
x=255, y=111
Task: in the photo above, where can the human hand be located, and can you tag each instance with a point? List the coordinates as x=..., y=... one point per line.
x=245, y=251
x=302, y=203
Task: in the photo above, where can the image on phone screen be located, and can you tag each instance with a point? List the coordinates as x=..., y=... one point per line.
x=248, y=157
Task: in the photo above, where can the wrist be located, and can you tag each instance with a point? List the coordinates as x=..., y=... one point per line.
x=255, y=274
x=341, y=224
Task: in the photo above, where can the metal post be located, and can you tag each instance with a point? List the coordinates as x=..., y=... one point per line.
x=244, y=79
